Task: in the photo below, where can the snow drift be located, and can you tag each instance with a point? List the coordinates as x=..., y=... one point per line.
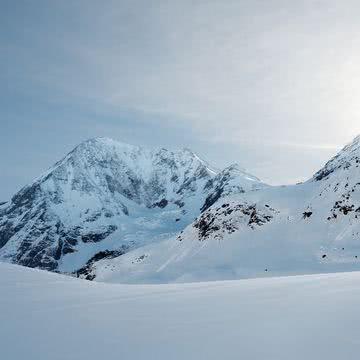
x=50, y=316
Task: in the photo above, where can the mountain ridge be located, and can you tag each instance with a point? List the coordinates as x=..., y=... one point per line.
x=106, y=190
x=112, y=211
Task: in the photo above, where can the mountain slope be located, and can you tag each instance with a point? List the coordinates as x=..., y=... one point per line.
x=306, y=228
x=115, y=212
x=105, y=198
x=303, y=317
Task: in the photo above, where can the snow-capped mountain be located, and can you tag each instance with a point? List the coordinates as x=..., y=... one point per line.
x=105, y=198
x=280, y=230
x=120, y=213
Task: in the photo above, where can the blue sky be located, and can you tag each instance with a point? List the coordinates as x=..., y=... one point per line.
x=273, y=85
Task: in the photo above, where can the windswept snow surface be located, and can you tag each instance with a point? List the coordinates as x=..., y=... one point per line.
x=49, y=316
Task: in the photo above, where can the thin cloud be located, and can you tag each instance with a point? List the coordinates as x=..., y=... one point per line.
x=236, y=81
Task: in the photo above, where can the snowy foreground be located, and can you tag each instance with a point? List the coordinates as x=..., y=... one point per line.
x=49, y=316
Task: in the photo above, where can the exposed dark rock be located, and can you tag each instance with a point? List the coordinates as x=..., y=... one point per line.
x=189, y=185
x=174, y=178
x=7, y=231
x=87, y=273
x=216, y=187
x=98, y=236
x=212, y=198
x=179, y=203
x=307, y=214
x=139, y=259
x=26, y=196
x=161, y=204
x=228, y=218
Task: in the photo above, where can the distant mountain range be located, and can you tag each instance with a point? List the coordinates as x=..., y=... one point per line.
x=121, y=213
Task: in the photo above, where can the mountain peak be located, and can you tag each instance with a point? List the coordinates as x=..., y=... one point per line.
x=346, y=159
x=110, y=192
x=107, y=142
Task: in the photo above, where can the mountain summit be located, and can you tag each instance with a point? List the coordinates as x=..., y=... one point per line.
x=105, y=198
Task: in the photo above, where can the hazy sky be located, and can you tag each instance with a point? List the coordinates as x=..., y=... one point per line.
x=273, y=85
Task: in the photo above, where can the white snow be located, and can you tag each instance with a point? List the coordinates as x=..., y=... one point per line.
x=287, y=241
x=49, y=316
x=310, y=228
x=328, y=240
x=104, y=183
x=287, y=244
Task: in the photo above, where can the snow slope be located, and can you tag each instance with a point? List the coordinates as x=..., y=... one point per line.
x=49, y=316
x=312, y=227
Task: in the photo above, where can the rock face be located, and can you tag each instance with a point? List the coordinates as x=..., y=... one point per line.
x=227, y=182
x=339, y=183
x=228, y=218
x=106, y=196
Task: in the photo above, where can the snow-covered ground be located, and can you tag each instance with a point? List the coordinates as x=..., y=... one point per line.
x=49, y=316
x=259, y=234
